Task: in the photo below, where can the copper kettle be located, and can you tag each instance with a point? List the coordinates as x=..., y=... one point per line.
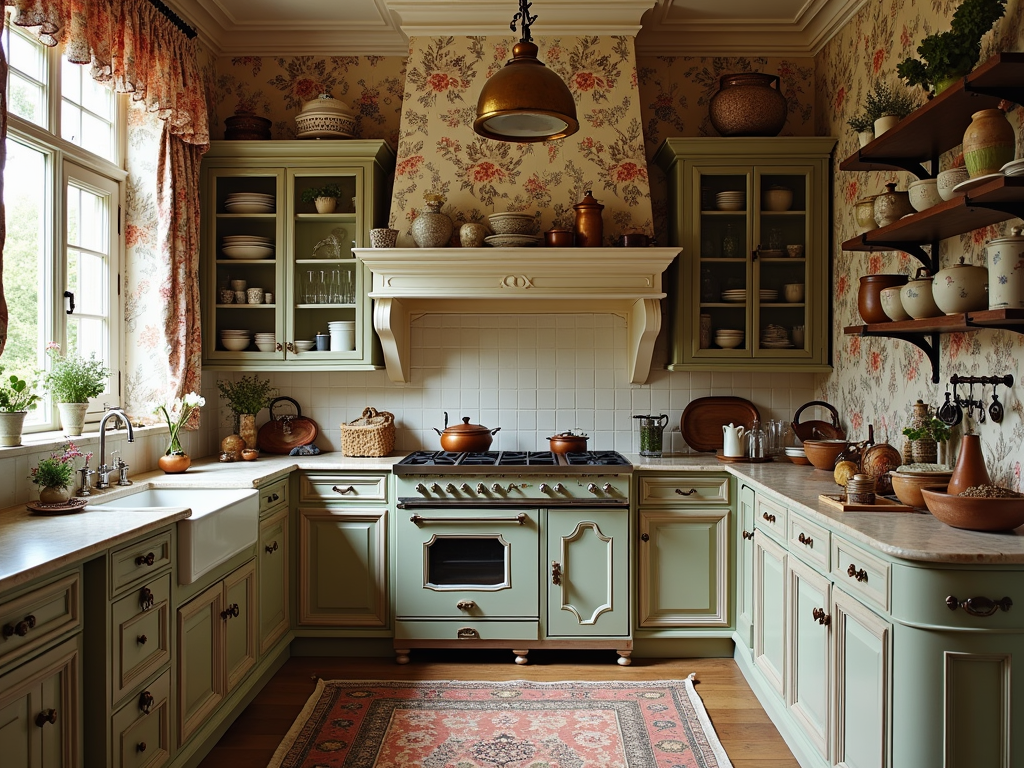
x=588, y=227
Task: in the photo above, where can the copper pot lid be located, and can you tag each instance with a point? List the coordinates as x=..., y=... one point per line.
x=465, y=428
x=570, y=435
x=588, y=202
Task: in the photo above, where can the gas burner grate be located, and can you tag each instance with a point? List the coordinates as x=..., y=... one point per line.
x=597, y=458
x=431, y=458
x=528, y=458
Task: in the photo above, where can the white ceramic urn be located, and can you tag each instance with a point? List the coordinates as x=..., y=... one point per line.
x=733, y=445
x=960, y=288
x=1006, y=271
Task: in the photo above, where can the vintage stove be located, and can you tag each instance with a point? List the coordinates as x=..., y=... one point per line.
x=513, y=549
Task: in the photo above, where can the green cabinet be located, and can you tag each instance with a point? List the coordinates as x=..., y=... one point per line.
x=273, y=567
x=588, y=588
x=745, y=566
x=809, y=649
x=749, y=290
x=770, y=611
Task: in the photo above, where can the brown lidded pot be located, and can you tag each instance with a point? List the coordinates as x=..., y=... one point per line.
x=465, y=436
x=559, y=238
x=589, y=227
x=567, y=442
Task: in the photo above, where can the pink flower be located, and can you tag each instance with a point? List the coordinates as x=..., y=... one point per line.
x=409, y=165
x=840, y=98
x=628, y=172
x=875, y=362
x=874, y=264
x=878, y=60
x=439, y=82
x=585, y=81
x=486, y=171
x=856, y=421
x=307, y=89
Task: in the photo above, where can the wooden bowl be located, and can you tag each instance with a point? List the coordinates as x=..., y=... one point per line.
x=973, y=513
x=907, y=487
x=823, y=453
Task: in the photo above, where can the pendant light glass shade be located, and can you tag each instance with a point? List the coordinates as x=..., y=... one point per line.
x=525, y=101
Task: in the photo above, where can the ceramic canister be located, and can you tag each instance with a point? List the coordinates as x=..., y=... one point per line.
x=989, y=143
x=891, y=205
x=960, y=288
x=864, y=215
x=1006, y=271
x=917, y=296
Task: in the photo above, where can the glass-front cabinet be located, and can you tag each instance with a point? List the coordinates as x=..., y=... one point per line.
x=276, y=271
x=750, y=286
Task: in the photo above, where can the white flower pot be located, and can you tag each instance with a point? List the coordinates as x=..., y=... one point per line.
x=325, y=204
x=11, y=425
x=884, y=123
x=865, y=137
x=72, y=417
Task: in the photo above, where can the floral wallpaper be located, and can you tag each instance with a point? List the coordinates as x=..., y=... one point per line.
x=876, y=380
x=277, y=87
x=439, y=152
x=675, y=92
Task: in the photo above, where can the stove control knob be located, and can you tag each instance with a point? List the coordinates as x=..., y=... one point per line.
x=480, y=488
x=449, y=488
x=544, y=488
x=421, y=488
x=511, y=487
x=559, y=488
x=496, y=488
x=465, y=488
x=592, y=488
x=607, y=488
x=435, y=487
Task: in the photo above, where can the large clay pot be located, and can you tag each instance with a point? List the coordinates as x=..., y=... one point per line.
x=748, y=105
x=960, y=288
x=869, y=302
x=988, y=142
x=54, y=495
x=72, y=417
x=1006, y=271
x=891, y=205
x=432, y=229
x=174, y=463
x=970, y=469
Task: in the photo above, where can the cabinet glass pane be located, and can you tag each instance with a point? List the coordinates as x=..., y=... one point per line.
x=724, y=245
x=780, y=313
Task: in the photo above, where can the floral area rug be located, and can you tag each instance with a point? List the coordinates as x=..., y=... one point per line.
x=519, y=724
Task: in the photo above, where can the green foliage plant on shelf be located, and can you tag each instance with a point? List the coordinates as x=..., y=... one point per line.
x=16, y=394
x=312, y=194
x=934, y=428
x=885, y=100
x=58, y=471
x=73, y=378
x=948, y=56
x=861, y=123
x=248, y=395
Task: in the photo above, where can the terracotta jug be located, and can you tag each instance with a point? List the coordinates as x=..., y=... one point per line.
x=588, y=227
x=988, y=142
x=970, y=469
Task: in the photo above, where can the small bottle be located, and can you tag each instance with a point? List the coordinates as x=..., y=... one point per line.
x=730, y=247
x=756, y=442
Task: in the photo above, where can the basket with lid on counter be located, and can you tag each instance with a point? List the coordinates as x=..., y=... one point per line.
x=372, y=434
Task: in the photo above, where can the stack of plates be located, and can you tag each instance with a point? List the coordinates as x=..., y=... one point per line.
x=1014, y=168
x=513, y=241
x=731, y=201
x=249, y=202
x=737, y=295
x=247, y=247
x=266, y=342
x=775, y=337
x=769, y=295
x=728, y=339
x=235, y=341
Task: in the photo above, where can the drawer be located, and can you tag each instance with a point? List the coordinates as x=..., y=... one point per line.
x=140, y=634
x=336, y=487
x=920, y=595
x=142, y=727
x=138, y=561
x=809, y=541
x=860, y=573
x=467, y=631
x=770, y=517
x=33, y=619
x=274, y=495
x=681, y=490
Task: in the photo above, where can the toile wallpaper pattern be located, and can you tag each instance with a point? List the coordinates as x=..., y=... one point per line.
x=875, y=381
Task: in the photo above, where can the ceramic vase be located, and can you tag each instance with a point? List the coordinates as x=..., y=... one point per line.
x=325, y=204
x=924, y=450
x=472, y=234
x=432, y=229
x=748, y=105
x=988, y=142
x=11, y=425
x=174, y=463
x=970, y=469
x=891, y=205
x=960, y=288
x=865, y=137
x=72, y=417
x=54, y=495
x=247, y=429
x=864, y=215
x=885, y=123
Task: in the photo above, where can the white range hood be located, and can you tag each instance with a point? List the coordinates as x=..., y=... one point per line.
x=409, y=282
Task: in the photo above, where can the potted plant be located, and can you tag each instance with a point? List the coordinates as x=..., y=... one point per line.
x=863, y=126
x=325, y=198
x=175, y=459
x=17, y=398
x=55, y=475
x=948, y=56
x=886, y=106
x=247, y=397
x=926, y=439
x=71, y=381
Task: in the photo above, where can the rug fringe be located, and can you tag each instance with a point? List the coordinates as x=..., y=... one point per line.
x=300, y=721
x=705, y=722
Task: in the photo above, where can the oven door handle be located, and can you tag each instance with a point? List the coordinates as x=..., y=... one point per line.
x=519, y=519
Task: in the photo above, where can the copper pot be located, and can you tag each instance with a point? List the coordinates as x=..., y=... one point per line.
x=465, y=436
x=869, y=300
x=567, y=442
x=559, y=238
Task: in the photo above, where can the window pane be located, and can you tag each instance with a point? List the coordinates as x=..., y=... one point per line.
x=26, y=58
x=96, y=97
x=97, y=135
x=86, y=279
x=25, y=98
x=87, y=111
x=71, y=81
x=70, y=122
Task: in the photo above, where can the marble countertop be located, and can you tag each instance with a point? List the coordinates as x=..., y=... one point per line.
x=35, y=545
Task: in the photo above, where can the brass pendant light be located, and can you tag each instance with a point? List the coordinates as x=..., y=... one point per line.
x=525, y=101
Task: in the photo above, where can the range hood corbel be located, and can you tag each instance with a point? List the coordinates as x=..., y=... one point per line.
x=410, y=282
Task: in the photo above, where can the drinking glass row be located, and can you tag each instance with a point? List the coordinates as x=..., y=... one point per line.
x=328, y=286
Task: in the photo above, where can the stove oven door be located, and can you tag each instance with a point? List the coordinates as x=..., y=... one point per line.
x=467, y=563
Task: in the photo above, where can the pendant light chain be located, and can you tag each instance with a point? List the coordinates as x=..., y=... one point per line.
x=526, y=18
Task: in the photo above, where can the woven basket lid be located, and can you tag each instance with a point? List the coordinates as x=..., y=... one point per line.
x=327, y=105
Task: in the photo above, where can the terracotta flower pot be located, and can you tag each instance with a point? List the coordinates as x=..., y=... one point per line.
x=174, y=463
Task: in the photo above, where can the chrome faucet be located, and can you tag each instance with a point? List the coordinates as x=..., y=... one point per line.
x=103, y=471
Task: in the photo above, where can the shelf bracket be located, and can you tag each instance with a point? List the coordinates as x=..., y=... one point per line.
x=903, y=163
x=1007, y=92
x=915, y=250
x=927, y=343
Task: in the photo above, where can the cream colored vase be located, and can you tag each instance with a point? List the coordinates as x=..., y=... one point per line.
x=72, y=417
x=11, y=425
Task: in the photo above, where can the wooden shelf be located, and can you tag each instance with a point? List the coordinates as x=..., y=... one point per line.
x=940, y=124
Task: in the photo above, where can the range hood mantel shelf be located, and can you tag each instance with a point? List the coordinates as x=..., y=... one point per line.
x=409, y=282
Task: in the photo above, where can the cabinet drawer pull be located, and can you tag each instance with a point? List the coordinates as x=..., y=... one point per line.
x=147, y=559
x=230, y=612
x=979, y=606
x=145, y=702
x=807, y=541
x=690, y=492
x=556, y=573
x=140, y=747
x=271, y=548
x=645, y=537
x=748, y=534
x=465, y=605
x=46, y=716
x=343, y=491
x=821, y=617
x=853, y=573
x=141, y=639
x=769, y=518
x=145, y=598
x=21, y=628
x=467, y=633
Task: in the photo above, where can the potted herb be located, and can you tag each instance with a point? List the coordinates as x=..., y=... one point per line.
x=17, y=398
x=925, y=439
x=325, y=198
x=863, y=126
x=55, y=475
x=886, y=106
x=948, y=56
x=247, y=397
x=71, y=381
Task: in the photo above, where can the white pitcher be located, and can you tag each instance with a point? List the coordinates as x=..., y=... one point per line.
x=733, y=440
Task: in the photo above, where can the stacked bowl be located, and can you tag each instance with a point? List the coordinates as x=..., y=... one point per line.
x=246, y=247
x=797, y=455
x=731, y=200
x=235, y=340
x=266, y=342
x=304, y=345
x=728, y=338
x=249, y=202
x=512, y=230
x=343, y=335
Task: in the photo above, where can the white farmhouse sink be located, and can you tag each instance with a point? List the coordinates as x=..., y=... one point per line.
x=224, y=522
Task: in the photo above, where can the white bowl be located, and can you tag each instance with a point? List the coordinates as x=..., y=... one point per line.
x=924, y=193
x=266, y=346
x=948, y=179
x=247, y=251
x=235, y=344
x=891, y=299
x=730, y=205
x=304, y=346
x=512, y=223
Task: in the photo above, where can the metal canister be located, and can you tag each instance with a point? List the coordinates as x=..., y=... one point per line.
x=589, y=226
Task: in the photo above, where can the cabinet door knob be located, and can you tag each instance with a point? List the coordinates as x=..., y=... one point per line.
x=556, y=573
x=145, y=598
x=230, y=612
x=769, y=518
x=821, y=617
x=748, y=535
x=346, y=489
x=979, y=606
x=807, y=541
x=141, y=639
x=271, y=548
x=21, y=628
x=147, y=559
x=465, y=605
x=46, y=716
x=859, y=575
x=690, y=492
x=146, y=701
x=645, y=537
x=140, y=747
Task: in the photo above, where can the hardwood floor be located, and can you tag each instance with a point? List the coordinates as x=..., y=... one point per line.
x=749, y=738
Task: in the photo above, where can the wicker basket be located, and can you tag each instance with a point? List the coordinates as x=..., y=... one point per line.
x=371, y=435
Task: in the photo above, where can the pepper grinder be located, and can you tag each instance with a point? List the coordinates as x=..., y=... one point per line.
x=588, y=227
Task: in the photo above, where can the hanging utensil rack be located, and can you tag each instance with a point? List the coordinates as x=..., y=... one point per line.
x=995, y=410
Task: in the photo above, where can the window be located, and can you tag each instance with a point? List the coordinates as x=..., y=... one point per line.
x=62, y=193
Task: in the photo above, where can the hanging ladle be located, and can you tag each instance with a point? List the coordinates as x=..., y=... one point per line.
x=996, y=409
x=950, y=412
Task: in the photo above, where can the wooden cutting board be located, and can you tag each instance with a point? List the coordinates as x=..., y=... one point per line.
x=704, y=418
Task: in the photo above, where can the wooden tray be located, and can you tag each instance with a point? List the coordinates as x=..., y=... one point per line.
x=74, y=504
x=741, y=459
x=882, y=504
x=704, y=418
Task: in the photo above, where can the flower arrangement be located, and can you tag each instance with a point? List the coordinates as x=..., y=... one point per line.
x=180, y=412
x=248, y=395
x=16, y=394
x=58, y=471
x=73, y=378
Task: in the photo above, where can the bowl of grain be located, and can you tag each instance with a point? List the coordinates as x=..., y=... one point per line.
x=979, y=508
